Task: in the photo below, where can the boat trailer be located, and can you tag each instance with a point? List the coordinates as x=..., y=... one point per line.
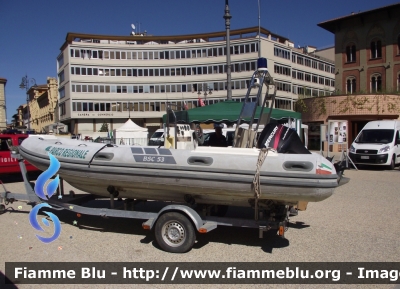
x=175, y=225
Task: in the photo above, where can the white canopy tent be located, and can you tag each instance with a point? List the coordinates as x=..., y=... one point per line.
x=131, y=134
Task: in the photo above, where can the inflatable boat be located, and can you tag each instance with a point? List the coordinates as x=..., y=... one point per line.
x=258, y=170
x=202, y=175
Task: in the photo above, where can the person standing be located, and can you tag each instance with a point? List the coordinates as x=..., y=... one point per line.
x=198, y=134
x=217, y=139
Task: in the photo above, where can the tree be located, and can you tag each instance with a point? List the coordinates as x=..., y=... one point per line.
x=104, y=127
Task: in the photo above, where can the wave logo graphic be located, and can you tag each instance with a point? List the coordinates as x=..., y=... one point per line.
x=50, y=189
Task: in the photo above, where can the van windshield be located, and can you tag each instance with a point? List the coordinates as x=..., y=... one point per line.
x=157, y=134
x=378, y=136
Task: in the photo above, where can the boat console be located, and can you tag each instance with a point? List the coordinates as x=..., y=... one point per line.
x=179, y=136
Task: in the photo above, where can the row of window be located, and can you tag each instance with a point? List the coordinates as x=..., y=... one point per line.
x=163, y=88
x=283, y=86
x=280, y=69
x=375, y=50
x=160, y=106
x=170, y=71
x=283, y=104
x=312, y=63
x=142, y=106
x=299, y=59
x=309, y=91
x=301, y=75
x=167, y=88
x=164, y=54
x=247, y=66
x=375, y=84
x=282, y=53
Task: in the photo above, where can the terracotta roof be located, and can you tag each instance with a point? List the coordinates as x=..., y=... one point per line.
x=330, y=25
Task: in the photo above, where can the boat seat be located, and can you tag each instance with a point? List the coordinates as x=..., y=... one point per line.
x=244, y=136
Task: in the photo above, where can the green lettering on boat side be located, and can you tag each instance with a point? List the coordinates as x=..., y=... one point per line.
x=67, y=153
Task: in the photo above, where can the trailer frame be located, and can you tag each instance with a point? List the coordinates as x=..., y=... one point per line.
x=174, y=225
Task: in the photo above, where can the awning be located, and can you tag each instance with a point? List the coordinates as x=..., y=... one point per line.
x=226, y=111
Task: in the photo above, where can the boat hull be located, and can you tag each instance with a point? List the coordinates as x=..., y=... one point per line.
x=206, y=175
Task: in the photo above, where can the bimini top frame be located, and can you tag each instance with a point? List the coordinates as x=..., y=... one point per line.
x=260, y=77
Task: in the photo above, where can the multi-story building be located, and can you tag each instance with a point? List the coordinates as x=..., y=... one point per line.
x=367, y=60
x=41, y=109
x=106, y=79
x=3, y=115
x=20, y=117
x=43, y=103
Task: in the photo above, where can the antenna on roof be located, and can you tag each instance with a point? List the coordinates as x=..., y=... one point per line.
x=133, y=28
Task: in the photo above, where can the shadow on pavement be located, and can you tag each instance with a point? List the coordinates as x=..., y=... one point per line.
x=5, y=282
x=223, y=234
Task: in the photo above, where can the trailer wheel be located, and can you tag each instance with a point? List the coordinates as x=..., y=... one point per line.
x=175, y=233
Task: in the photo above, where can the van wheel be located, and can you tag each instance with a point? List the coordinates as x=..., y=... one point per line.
x=175, y=233
x=392, y=164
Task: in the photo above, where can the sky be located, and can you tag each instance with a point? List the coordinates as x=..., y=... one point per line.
x=32, y=31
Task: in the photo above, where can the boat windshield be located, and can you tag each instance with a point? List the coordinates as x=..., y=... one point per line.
x=378, y=136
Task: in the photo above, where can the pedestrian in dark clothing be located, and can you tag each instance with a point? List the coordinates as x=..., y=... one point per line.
x=217, y=139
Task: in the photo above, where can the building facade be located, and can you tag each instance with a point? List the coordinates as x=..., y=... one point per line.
x=20, y=117
x=3, y=114
x=42, y=107
x=106, y=79
x=43, y=104
x=367, y=60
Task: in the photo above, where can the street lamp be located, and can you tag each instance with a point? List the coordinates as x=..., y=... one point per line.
x=25, y=84
x=227, y=17
x=207, y=91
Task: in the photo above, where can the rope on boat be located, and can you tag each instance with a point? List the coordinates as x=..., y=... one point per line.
x=256, y=181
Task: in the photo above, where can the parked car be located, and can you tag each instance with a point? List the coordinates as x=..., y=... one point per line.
x=9, y=165
x=105, y=140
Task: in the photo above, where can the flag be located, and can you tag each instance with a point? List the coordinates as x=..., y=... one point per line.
x=201, y=102
x=185, y=107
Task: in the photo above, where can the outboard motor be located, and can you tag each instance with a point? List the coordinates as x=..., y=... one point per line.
x=282, y=139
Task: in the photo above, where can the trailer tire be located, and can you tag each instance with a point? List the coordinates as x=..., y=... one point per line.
x=175, y=233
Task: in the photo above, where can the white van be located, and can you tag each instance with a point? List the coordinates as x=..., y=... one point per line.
x=378, y=143
x=157, y=138
x=229, y=134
